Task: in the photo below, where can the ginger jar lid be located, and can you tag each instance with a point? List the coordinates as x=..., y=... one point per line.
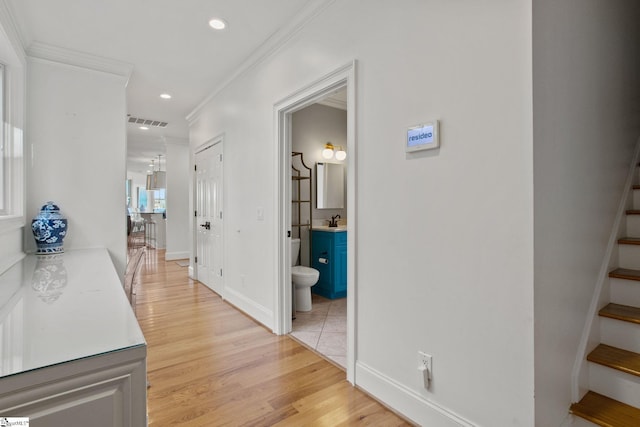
x=49, y=210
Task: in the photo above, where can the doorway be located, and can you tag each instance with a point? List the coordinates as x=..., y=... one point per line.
x=316, y=201
x=209, y=216
x=340, y=79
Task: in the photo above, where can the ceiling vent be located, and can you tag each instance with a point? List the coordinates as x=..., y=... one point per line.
x=147, y=122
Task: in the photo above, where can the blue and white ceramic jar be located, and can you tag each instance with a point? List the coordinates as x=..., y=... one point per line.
x=49, y=229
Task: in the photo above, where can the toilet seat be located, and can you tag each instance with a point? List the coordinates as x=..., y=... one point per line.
x=302, y=271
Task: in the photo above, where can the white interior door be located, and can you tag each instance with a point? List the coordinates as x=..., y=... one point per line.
x=209, y=217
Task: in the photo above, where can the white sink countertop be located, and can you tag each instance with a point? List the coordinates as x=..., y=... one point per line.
x=327, y=228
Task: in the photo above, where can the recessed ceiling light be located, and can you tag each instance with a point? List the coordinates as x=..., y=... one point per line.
x=217, y=24
x=165, y=96
x=144, y=128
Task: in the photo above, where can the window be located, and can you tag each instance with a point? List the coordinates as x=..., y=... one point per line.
x=159, y=201
x=4, y=180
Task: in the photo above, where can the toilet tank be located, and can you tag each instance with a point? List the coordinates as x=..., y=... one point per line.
x=295, y=250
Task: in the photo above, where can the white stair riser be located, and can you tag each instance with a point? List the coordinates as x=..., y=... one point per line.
x=626, y=292
x=621, y=334
x=636, y=199
x=615, y=384
x=633, y=226
x=575, y=421
x=629, y=256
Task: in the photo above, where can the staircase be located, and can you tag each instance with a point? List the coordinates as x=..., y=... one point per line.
x=614, y=365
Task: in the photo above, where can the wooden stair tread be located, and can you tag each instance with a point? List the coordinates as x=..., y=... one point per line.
x=605, y=411
x=616, y=358
x=621, y=312
x=629, y=241
x=636, y=186
x=633, y=211
x=625, y=273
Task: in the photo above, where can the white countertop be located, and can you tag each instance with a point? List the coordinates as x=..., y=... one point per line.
x=59, y=308
x=327, y=228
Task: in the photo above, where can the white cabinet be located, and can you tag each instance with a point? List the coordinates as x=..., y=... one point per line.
x=71, y=349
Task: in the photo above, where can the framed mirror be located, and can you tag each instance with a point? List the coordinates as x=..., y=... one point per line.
x=329, y=186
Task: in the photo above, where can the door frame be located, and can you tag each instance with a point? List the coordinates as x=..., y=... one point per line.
x=219, y=139
x=343, y=77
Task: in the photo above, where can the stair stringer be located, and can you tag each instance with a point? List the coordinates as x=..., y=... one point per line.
x=591, y=333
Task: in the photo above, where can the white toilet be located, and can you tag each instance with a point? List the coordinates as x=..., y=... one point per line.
x=303, y=279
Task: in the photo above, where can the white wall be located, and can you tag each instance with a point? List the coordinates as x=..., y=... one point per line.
x=586, y=80
x=445, y=239
x=311, y=129
x=178, y=177
x=76, y=141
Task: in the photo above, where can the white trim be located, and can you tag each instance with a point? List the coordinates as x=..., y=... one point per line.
x=13, y=57
x=270, y=46
x=12, y=30
x=406, y=401
x=170, y=256
x=334, y=103
x=80, y=59
x=10, y=223
x=249, y=307
x=7, y=262
x=580, y=365
x=338, y=79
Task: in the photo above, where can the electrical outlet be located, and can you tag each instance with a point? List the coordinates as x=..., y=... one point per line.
x=425, y=363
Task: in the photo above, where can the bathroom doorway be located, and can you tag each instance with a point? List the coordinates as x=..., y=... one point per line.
x=323, y=325
x=338, y=88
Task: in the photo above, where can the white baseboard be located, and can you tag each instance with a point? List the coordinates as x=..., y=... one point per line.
x=170, y=256
x=404, y=400
x=250, y=307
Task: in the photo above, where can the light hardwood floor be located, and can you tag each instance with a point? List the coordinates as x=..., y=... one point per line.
x=211, y=365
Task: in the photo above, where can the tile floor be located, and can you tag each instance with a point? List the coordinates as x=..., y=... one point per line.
x=324, y=328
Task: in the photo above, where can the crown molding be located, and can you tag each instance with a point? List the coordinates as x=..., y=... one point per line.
x=278, y=39
x=80, y=59
x=12, y=31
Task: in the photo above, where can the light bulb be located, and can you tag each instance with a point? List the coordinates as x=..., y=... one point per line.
x=327, y=153
x=341, y=154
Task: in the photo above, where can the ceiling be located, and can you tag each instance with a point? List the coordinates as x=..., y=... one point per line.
x=170, y=45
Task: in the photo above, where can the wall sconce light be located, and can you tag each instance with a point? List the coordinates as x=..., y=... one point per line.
x=329, y=152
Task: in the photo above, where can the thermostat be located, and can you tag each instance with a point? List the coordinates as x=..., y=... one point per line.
x=422, y=137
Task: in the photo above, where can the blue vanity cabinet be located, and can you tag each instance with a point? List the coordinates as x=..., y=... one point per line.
x=329, y=251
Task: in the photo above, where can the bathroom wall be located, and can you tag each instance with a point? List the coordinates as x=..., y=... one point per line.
x=311, y=128
x=444, y=239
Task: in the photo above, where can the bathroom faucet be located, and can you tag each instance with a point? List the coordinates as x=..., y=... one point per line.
x=333, y=222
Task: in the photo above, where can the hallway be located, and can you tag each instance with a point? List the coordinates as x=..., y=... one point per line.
x=209, y=364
